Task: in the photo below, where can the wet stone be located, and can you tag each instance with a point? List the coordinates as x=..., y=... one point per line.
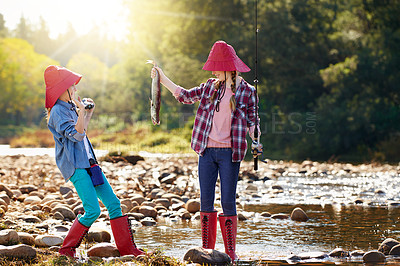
x=58, y=216
x=148, y=211
x=206, y=256
x=103, y=250
x=6, y=190
x=138, y=198
x=31, y=219
x=8, y=237
x=37, y=194
x=339, y=252
x=98, y=235
x=148, y=221
x=299, y=215
x=185, y=215
x=163, y=201
x=26, y=189
x=128, y=203
x=61, y=228
x=312, y=255
x=64, y=190
x=135, y=215
x=79, y=209
x=241, y=217
x=66, y=212
x=69, y=195
x=280, y=216
x=5, y=198
x=48, y=240
x=26, y=238
x=265, y=214
x=357, y=253
x=20, y=251
x=387, y=245
x=192, y=205
x=374, y=256
x=395, y=251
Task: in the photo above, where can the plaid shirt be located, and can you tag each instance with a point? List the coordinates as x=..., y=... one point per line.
x=242, y=118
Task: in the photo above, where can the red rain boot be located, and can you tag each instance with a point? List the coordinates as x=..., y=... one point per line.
x=73, y=239
x=228, y=226
x=208, y=228
x=121, y=228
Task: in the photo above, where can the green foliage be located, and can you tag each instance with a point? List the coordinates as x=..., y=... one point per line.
x=21, y=80
x=328, y=73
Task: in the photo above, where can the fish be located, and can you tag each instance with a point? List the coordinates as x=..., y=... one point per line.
x=155, y=100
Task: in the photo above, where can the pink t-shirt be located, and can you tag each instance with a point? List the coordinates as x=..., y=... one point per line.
x=220, y=134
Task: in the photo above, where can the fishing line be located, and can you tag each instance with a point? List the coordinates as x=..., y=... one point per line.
x=255, y=141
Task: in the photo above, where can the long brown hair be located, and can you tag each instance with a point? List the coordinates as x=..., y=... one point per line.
x=48, y=110
x=233, y=88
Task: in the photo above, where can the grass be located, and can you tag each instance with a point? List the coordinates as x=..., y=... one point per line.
x=132, y=139
x=48, y=258
x=33, y=139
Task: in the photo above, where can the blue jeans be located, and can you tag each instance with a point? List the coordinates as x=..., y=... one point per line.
x=214, y=161
x=89, y=194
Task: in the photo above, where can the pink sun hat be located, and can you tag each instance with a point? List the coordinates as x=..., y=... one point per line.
x=223, y=57
x=58, y=80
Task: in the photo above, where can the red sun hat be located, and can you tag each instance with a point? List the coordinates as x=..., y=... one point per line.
x=58, y=80
x=223, y=57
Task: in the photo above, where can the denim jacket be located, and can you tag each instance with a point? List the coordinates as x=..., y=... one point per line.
x=69, y=146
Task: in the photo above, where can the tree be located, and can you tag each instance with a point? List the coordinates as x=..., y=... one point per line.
x=3, y=28
x=21, y=76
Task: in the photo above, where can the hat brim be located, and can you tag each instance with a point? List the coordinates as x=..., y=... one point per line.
x=231, y=65
x=54, y=92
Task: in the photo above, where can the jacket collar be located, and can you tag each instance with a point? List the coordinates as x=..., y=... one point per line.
x=70, y=106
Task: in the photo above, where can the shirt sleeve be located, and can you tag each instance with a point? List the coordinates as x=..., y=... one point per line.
x=252, y=111
x=189, y=96
x=64, y=124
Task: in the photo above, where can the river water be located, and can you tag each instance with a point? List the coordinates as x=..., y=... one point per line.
x=329, y=201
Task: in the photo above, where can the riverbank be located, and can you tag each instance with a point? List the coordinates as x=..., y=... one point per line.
x=323, y=190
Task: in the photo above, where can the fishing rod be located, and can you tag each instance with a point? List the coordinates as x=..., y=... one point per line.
x=255, y=141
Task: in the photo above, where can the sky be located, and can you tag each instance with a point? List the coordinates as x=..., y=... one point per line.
x=110, y=15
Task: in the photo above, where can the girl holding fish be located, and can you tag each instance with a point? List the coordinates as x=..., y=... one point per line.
x=227, y=111
x=68, y=118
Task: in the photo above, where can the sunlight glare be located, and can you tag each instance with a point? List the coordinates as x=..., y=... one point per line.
x=109, y=16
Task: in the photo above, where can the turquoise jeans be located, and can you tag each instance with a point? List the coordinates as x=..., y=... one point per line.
x=89, y=196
